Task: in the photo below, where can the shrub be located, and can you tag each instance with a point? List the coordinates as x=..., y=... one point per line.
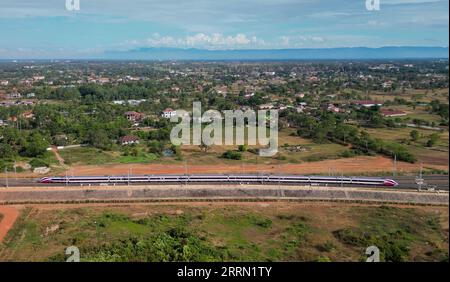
x=243, y=148
x=38, y=163
x=7, y=165
x=348, y=154
x=263, y=222
x=232, y=155
x=326, y=247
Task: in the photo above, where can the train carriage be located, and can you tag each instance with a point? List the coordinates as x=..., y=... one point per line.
x=221, y=178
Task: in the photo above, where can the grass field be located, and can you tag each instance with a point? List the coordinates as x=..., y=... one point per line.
x=228, y=232
x=438, y=154
x=412, y=95
x=312, y=152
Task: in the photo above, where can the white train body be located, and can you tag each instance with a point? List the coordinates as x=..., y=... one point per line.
x=222, y=178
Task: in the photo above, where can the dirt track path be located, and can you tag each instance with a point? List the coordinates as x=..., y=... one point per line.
x=10, y=216
x=57, y=155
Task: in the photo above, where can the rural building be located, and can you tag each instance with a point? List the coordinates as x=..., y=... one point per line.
x=368, y=103
x=28, y=115
x=134, y=116
x=168, y=113
x=392, y=113
x=222, y=90
x=266, y=106
x=129, y=140
x=387, y=84
x=14, y=95
x=38, y=78
x=332, y=108
x=103, y=80
x=12, y=118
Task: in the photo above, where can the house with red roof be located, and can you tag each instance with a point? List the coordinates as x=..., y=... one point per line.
x=129, y=140
x=168, y=113
x=392, y=113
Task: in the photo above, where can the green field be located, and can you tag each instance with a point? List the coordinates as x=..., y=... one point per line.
x=311, y=152
x=438, y=154
x=229, y=232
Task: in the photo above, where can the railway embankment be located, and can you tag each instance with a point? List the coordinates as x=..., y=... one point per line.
x=48, y=195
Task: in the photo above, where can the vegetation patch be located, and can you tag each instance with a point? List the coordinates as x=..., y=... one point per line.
x=279, y=232
x=395, y=232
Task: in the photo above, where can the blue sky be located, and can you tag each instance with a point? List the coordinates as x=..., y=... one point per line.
x=44, y=28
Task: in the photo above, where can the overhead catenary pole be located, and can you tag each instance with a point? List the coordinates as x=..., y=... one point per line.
x=186, y=172
x=129, y=176
x=279, y=176
x=421, y=168
x=420, y=180
x=394, y=172
x=6, y=181
x=15, y=170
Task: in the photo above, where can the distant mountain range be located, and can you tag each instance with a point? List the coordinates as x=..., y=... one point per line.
x=280, y=54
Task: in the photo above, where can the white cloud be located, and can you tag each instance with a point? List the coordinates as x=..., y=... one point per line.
x=220, y=41
x=201, y=40
x=300, y=41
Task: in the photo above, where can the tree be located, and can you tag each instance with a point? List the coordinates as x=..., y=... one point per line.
x=134, y=152
x=155, y=147
x=434, y=138
x=98, y=139
x=6, y=151
x=35, y=146
x=414, y=135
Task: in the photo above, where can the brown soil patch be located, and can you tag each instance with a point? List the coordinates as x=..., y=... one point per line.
x=347, y=166
x=10, y=216
x=57, y=155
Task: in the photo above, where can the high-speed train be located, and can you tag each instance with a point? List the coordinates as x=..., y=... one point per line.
x=237, y=178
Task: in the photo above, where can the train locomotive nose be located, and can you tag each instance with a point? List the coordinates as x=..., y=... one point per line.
x=44, y=180
x=391, y=183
